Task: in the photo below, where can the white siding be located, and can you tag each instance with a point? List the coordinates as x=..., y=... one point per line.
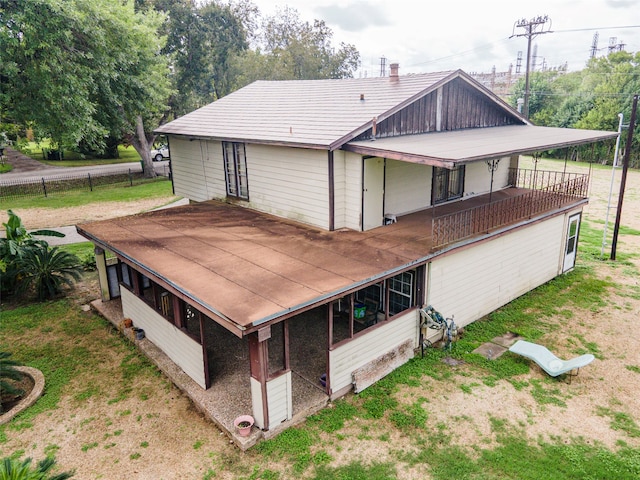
x=356, y=353
x=353, y=191
x=290, y=183
x=279, y=399
x=187, y=164
x=407, y=187
x=477, y=177
x=256, y=402
x=179, y=347
x=339, y=189
x=478, y=280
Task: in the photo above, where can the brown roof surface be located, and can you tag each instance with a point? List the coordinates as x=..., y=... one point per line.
x=304, y=112
x=249, y=267
x=461, y=146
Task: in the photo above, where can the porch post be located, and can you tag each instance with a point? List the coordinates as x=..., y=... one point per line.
x=258, y=359
x=101, y=266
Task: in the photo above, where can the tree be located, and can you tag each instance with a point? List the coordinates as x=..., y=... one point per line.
x=82, y=71
x=290, y=48
x=201, y=40
x=14, y=469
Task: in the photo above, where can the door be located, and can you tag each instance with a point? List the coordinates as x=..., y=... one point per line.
x=372, y=193
x=572, y=243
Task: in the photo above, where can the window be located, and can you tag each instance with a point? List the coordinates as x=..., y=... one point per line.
x=400, y=293
x=447, y=184
x=235, y=169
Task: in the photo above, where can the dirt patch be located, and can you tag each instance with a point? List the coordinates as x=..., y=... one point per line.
x=34, y=218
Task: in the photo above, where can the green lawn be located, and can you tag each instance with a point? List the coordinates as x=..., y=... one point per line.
x=74, y=159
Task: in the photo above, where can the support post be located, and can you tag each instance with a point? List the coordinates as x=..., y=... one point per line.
x=101, y=266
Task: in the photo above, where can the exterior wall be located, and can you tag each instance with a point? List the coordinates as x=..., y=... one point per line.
x=188, y=169
x=345, y=359
x=289, y=182
x=477, y=177
x=353, y=191
x=179, y=347
x=279, y=400
x=407, y=187
x=479, y=279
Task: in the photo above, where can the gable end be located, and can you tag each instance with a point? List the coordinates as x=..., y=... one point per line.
x=462, y=106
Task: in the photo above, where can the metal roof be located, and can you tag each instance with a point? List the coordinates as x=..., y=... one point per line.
x=309, y=113
x=462, y=146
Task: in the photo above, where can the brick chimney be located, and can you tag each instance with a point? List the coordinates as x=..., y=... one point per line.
x=394, y=72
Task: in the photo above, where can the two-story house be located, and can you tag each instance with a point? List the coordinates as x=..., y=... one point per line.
x=324, y=214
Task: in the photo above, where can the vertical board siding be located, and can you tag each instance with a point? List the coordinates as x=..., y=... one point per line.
x=256, y=402
x=187, y=164
x=279, y=399
x=407, y=187
x=290, y=183
x=476, y=281
x=366, y=348
x=178, y=346
x=214, y=169
x=463, y=106
x=477, y=177
x=339, y=189
x=353, y=191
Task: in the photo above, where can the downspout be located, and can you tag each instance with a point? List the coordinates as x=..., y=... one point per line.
x=332, y=199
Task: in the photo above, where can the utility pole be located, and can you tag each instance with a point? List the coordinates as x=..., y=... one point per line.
x=533, y=27
x=623, y=180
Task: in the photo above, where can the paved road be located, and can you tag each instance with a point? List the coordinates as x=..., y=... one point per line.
x=28, y=169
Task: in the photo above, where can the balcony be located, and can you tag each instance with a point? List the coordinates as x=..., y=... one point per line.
x=531, y=193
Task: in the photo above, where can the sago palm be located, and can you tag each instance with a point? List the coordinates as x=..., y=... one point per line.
x=46, y=270
x=8, y=372
x=14, y=469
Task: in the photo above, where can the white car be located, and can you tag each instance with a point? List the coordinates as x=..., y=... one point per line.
x=157, y=155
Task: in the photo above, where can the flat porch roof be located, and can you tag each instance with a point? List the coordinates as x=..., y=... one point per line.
x=245, y=268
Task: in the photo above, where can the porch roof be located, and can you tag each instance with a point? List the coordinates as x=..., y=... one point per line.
x=446, y=149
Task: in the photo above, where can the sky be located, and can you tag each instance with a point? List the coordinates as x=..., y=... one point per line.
x=472, y=35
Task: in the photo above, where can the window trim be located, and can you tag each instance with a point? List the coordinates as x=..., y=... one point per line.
x=236, y=178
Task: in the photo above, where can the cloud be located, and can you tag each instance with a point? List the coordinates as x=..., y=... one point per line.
x=354, y=17
x=621, y=3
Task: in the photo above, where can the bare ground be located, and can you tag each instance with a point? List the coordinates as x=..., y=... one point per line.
x=156, y=433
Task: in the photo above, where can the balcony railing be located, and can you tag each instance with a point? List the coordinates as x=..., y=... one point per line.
x=545, y=191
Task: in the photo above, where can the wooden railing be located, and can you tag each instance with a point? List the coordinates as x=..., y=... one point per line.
x=546, y=191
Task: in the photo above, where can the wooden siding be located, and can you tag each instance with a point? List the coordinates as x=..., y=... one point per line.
x=407, y=187
x=179, y=347
x=462, y=106
x=366, y=348
x=478, y=280
x=290, y=183
x=256, y=402
x=339, y=189
x=477, y=177
x=279, y=399
x=353, y=191
x=187, y=164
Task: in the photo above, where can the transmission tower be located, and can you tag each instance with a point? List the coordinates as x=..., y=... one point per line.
x=519, y=62
x=535, y=26
x=383, y=67
x=594, y=45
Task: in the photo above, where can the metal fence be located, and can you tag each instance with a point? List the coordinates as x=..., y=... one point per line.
x=546, y=196
x=45, y=186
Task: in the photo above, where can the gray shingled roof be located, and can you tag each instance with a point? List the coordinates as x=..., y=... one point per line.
x=473, y=144
x=310, y=113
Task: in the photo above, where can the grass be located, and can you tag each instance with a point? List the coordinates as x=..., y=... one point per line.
x=156, y=188
x=74, y=159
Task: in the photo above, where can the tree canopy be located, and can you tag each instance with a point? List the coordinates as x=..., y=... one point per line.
x=82, y=71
